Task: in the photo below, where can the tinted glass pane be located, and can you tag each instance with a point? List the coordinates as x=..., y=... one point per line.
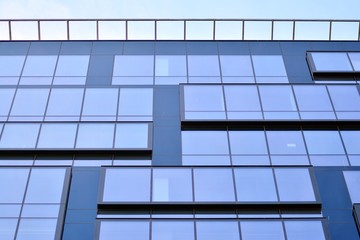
x=312, y=98
x=236, y=66
x=39, y=66
x=121, y=230
x=213, y=185
x=11, y=65
x=323, y=142
x=132, y=136
x=355, y=60
x=268, y=65
x=352, y=179
x=345, y=98
x=170, y=65
x=172, y=230
x=286, y=142
x=6, y=97
x=299, y=230
x=207, y=100
x=12, y=184
x=204, y=142
x=207, y=65
x=100, y=102
x=242, y=98
x=8, y=228
x=294, y=185
x=65, y=102
x=325, y=61
x=30, y=102
x=19, y=135
x=247, y=142
x=204, y=98
x=352, y=141
x=129, y=66
x=218, y=230
x=95, y=135
x=270, y=230
x=277, y=98
x=136, y=102
x=72, y=65
x=172, y=185
x=45, y=185
x=45, y=211
x=127, y=185
x=36, y=229
x=57, y=135
x=255, y=185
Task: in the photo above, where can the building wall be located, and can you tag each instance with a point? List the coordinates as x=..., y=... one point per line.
x=84, y=206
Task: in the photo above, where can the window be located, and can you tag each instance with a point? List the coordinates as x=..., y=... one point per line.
x=334, y=65
x=100, y=104
x=352, y=179
x=269, y=69
x=135, y=104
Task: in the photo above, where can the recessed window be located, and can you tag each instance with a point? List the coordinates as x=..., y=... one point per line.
x=352, y=179
x=334, y=65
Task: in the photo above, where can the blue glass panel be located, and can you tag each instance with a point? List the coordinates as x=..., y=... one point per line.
x=217, y=230
x=268, y=65
x=352, y=179
x=65, y=103
x=236, y=65
x=270, y=230
x=8, y=228
x=204, y=65
x=323, y=142
x=19, y=135
x=331, y=61
x=135, y=103
x=300, y=230
x=207, y=100
x=95, y=135
x=312, y=98
x=45, y=185
x=40, y=211
x=6, y=98
x=242, y=98
x=172, y=230
x=294, y=184
x=100, y=103
x=11, y=65
x=213, y=185
x=132, y=136
x=36, y=229
x=57, y=135
x=255, y=185
x=286, y=142
x=127, y=185
x=355, y=60
x=30, y=102
x=172, y=185
x=72, y=65
x=277, y=98
x=345, y=98
x=130, y=65
x=204, y=142
x=248, y=142
x=12, y=184
x=134, y=230
x=351, y=141
x=36, y=66
x=166, y=65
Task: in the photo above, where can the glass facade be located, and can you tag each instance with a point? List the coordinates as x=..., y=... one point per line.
x=199, y=140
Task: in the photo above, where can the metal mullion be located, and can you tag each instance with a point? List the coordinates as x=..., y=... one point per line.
x=23, y=201
x=276, y=185
x=284, y=229
x=331, y=102
x=344, y=146
x=296, y=104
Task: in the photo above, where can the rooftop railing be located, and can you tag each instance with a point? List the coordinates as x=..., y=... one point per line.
x=179, y=29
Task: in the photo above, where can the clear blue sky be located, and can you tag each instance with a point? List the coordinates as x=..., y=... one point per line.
x=264, y=9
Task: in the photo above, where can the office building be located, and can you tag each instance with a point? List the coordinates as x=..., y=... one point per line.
x=167, y=140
